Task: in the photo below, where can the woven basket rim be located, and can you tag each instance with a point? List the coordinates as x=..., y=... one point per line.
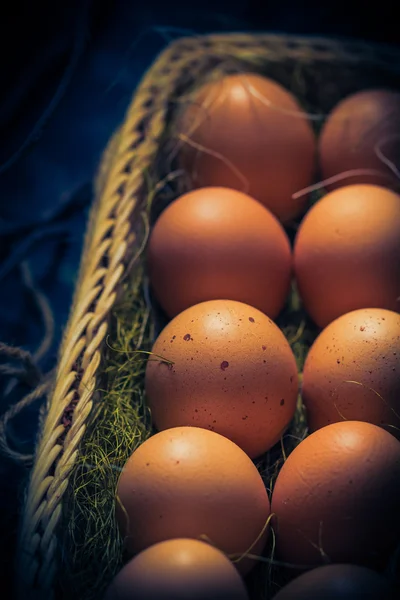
x=282, y=36
x=344, y=46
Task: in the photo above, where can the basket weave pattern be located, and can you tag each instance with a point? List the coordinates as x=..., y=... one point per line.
x=107, y=258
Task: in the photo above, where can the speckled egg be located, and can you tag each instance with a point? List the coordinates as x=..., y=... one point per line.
x=337, y=496
x=347, y=253
x=352, y=371
x=338, y=582
x=216, y=243
x=180, y=569
x=227, y=367
x=190, y=482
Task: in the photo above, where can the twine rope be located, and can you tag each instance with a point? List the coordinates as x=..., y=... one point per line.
x=27, y=372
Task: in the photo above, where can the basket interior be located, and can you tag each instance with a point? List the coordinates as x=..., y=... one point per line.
x=92, y=548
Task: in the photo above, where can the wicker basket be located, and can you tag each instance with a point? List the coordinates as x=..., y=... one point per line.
x=338, y=68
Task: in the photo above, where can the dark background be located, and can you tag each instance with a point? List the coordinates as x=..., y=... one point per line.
x=67, y=73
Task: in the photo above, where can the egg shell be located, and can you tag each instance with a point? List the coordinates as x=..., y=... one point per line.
x=338, y=582
x=231, y=371
x=249, y=133
x=347, y=253
x=358, y=128
x=336, y=498
x=352, y=371
x=179, y=569
x=190, y=482
x=216, y=243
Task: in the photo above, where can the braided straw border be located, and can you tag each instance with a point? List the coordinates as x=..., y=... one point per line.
x=110, y=239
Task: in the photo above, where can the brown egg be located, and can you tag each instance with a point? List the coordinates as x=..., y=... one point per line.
x=231, y=370
x=347, y=253
x=190, y=482
x=248, y=133
x=352, y=371
x=180, y=569
x=338, y=582
x=218, y=243
x=362, y=133
x=337, y=496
